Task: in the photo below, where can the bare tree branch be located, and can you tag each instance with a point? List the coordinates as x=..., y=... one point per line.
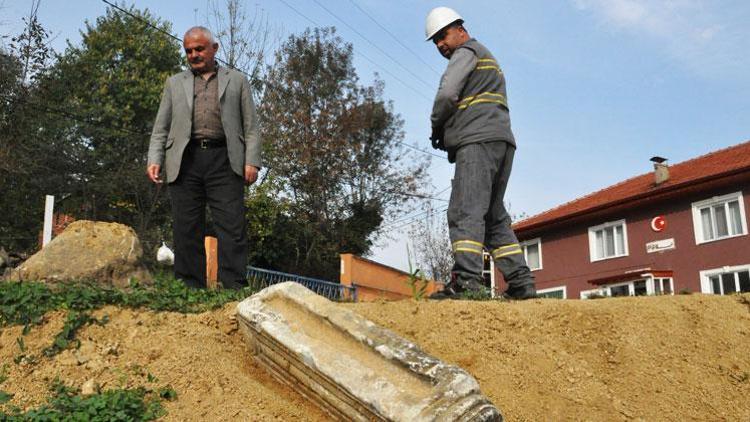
x=245, y=40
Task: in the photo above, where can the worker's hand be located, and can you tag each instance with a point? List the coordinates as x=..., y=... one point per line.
x=152, y=171
x=251, y=174
x=437, y=138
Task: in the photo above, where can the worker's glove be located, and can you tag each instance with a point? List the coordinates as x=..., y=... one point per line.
x=452, y=155
x=437, y=138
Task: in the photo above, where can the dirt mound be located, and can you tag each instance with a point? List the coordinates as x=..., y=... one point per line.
x=663, y=358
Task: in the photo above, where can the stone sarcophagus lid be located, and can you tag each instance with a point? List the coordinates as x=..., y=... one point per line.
x=352, y=368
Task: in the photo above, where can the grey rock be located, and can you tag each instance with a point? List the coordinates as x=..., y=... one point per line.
x=108, y=253
x=349, y=366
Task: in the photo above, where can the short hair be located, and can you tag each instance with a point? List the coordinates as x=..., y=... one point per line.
x=207, y=32
x=459, y=23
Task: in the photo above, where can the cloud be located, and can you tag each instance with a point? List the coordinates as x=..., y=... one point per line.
x=705, y=36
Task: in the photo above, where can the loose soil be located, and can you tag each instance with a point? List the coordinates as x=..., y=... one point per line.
x=645, y=358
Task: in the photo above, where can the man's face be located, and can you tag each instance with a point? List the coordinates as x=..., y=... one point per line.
x=200, y=52
x=449, y=39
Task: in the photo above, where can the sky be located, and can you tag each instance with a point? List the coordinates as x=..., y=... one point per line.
x=595, y=87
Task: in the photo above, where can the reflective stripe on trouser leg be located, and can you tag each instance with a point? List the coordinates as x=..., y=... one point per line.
x=507, y=250
x=501, y=240
x=468, y=256
x=469, y=246
x=470, y=199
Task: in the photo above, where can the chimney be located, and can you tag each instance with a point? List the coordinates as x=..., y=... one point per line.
x=661, y=170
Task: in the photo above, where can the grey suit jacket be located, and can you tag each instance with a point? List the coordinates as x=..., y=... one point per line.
x=174, y=122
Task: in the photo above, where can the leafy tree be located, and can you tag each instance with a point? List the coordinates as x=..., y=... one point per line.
x=31, y=44
x=334, y=148
x=30, y=163
x=107, y=90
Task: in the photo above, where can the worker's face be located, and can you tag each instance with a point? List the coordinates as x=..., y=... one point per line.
x=449, y=39
x=200, y=52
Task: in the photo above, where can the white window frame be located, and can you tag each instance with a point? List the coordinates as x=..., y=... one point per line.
x=592, y=240
x=606, y=289
x=555, y=289
x=661, y=280
x=698, y=221
x=598, y=291
x=537, y=241
x=706, y=275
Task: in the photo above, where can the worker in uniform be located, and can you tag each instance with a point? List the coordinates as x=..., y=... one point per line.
x=471, y=121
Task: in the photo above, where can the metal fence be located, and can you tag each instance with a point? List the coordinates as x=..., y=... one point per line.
x=259, y=278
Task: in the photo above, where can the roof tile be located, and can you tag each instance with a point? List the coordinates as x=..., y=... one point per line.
x=711, y=165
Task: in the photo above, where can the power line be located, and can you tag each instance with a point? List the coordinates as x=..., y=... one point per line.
x=417, y=77
x=395, y=37
x=399, y=220
x=311, y=21
x=169, y=34
x=412, y=220
x=373, y=62
x=409, y=217
x=299, y=13
x=442, y=191
x=143, y=20
x=86, y=120
x=416, y=195
x=420, y=150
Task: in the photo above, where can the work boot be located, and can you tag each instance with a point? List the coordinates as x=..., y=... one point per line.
x=450, y=291
x=461, y=289
x=527, y=291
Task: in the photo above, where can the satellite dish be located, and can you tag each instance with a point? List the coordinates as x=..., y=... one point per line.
x=164, y=255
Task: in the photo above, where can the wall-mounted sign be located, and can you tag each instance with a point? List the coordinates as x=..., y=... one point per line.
x=660, y=245
x=658, y=223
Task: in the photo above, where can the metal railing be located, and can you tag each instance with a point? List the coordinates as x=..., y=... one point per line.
x=259, y=278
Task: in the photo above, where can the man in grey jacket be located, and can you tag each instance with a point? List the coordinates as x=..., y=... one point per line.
x=205, y=140
x=471, y=121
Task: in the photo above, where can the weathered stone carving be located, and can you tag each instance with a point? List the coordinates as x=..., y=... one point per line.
x=352, y=368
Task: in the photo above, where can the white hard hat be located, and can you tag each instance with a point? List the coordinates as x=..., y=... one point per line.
x=439, y=18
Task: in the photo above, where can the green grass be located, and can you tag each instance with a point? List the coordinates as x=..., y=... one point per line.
x=25, y=303
x=66, y=404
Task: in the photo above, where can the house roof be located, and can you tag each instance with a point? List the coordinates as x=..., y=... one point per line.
x=715, y=165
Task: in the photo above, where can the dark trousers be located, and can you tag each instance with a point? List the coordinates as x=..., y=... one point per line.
x=206, y=178
x=477, y=218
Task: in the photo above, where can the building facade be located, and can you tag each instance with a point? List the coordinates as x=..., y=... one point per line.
x=681, y=228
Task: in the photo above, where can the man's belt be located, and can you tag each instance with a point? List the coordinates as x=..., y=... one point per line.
x=206, y=143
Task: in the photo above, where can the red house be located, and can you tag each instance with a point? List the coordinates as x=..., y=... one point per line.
x=681, y=228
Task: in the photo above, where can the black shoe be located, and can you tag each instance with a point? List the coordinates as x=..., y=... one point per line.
x=520, y=293
x=450, y=291
x=471, y=291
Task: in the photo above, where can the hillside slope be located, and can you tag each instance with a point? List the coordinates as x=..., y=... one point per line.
x=656, y=358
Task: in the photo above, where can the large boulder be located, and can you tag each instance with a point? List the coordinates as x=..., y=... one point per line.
x=108, y=253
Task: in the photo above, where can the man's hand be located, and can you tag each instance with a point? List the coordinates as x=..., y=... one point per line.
x=152, y=171
x=251, y=174
x=437, y=138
